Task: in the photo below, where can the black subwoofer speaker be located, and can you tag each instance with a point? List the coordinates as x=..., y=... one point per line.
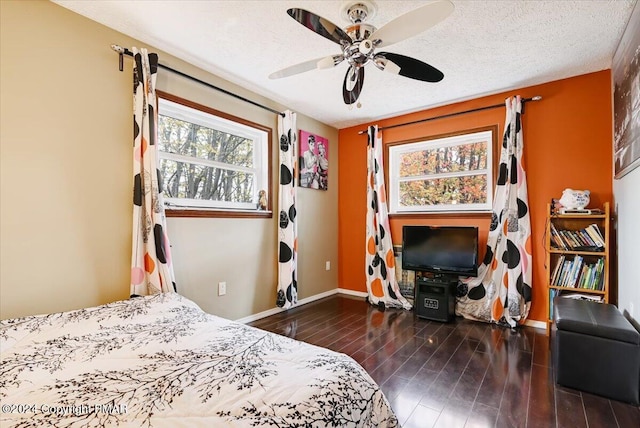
x=435, y=299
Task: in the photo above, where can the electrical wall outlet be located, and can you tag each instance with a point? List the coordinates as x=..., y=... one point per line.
x=631, y=310
x=327, y=265
x=222, y=288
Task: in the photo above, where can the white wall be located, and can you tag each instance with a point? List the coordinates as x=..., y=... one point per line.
x=627, y=199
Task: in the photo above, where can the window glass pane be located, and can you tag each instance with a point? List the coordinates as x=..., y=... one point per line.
x=437, y=160
x=212, y=164
x=471, y=189
x=191, y=181
x=190, y=139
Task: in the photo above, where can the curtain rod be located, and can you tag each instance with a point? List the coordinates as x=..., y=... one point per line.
x=524, y=100
x=124, y=51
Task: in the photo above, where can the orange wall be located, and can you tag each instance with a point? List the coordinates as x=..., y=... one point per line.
x=567, y=143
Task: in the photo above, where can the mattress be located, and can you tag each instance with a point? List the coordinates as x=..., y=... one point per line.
x=160, y=361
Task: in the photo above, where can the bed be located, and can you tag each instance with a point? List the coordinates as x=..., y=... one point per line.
x=160, y=361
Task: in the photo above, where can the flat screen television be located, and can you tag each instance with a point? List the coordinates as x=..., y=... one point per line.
x=445, y=250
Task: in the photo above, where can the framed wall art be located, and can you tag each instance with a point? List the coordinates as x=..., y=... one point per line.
x=314, y=161
x=626, y=98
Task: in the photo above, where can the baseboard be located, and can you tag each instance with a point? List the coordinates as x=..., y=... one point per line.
x=352, y=292
x=274, y=311
x=536, y=324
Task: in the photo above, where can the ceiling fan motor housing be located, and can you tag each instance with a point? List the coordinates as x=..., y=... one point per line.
x=360, y=50
x=360, y=31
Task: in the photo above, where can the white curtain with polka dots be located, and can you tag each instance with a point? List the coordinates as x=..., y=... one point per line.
x=151, y=268
x=287, y=227
x=382, y=286
x=501, y=293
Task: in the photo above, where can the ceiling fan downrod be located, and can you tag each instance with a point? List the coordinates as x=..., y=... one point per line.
x=358, y=12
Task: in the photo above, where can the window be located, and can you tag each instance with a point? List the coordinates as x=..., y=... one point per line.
x=210, y=161
x=445, y=174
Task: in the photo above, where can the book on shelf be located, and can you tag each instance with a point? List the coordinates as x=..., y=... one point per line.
x=567, y=239
x=598, y=280
x=580, y=281
x=595, y=234
x=575, y=268
x=578, y=273
x=556, y=270
x=563, y=273
x=579, y=296
x=572, y=237
x=564, y=277
x=555, y=238
x=586, y=279
x=587, y=239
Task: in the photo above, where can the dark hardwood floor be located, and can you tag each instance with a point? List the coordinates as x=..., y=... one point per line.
x=460, y=374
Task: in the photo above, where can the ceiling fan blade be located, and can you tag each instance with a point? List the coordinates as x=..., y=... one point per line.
x=318, y=63
x=319, y=25
x=412, y=23
x=407, y=67
x=352, y=86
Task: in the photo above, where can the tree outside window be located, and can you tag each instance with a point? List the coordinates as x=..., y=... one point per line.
x=208, y=161
x=452, y=173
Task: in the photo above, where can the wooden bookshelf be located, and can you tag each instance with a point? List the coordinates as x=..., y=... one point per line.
x=577, y=256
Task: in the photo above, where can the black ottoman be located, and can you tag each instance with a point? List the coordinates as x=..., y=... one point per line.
x=596, y=349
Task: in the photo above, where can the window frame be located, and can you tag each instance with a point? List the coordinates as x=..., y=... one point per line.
x=221, y=211
x=493, y=157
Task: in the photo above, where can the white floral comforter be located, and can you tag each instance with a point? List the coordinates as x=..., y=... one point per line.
x=160, y=361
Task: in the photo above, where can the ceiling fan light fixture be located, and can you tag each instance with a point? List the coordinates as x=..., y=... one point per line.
x=329, y=62
x=365, y=46
x=360, y=40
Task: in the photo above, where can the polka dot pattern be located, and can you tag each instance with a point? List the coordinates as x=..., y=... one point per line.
x=151, y=270
x=502, y=291
x=288, y=231
x=382, y=285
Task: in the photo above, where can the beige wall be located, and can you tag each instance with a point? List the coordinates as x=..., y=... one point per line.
x=66, y=203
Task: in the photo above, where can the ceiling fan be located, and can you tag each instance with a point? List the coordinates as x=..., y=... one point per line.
x=360, y=40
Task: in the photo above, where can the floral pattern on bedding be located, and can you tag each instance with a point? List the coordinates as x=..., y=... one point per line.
x=161, y=361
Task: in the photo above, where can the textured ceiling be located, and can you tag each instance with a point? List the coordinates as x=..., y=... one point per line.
x=483, y=47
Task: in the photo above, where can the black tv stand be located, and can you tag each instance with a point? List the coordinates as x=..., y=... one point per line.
x=441, y=278
x=436, y=297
